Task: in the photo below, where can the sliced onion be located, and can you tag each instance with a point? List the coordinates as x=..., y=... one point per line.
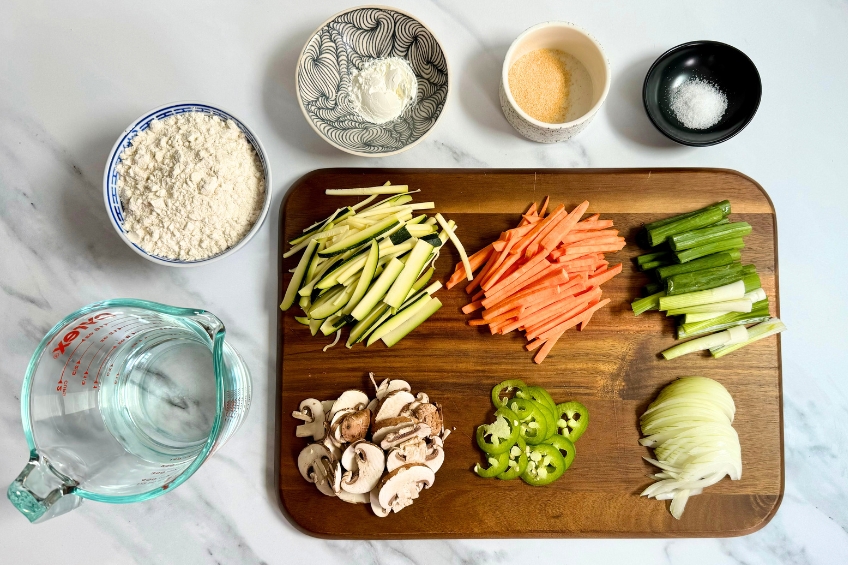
x=689, y=428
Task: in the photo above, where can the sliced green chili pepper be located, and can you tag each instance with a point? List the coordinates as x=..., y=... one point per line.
x=505, y=387
x=572, y=419
x=502, y=433
x=545, y=465
x=538, y=394
x=497, y=465
x=517, y=461
x=534, y=424
x=565, y=447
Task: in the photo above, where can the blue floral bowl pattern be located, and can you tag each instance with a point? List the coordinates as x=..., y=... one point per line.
x=345, y=43
x=110, y=177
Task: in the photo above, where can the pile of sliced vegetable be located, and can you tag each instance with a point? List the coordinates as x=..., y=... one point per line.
x=699, y=276
x=689, y=428
x=367, y=267
x=532, y=437
x=542, y=277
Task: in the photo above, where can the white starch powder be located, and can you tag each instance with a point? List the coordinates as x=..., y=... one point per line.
x=191, y=186
x=698, y=104
x=382, y=89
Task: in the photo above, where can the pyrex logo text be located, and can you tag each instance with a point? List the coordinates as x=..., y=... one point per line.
x=74, y=333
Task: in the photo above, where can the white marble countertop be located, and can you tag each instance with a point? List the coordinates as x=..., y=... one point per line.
x=73, y=75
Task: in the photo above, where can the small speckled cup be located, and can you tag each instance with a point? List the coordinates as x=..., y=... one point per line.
x=573, y=40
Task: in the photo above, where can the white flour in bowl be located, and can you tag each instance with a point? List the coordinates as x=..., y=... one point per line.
x=191, y=186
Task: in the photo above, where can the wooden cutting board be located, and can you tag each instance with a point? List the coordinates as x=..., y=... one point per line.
x=613, y=368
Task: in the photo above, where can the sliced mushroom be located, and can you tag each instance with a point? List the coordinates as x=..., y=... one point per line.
x=315, y=464
x=358, y=498
x=400, y=487
x=435, y=453
x=334, y=449
x=355, y=399
x=374, y=497
x=394, y=439
x=334, y=477
x=392, y=385
x=370, y=463
x=354, y=426
x=381, y=429
x=392, y=404
x=411, y=451
x=328, y=407
x=373, y=405
x=430, y=414
x=311, y=412
x=335, y=424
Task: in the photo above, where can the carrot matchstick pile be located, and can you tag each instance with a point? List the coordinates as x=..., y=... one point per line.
x=543, y=276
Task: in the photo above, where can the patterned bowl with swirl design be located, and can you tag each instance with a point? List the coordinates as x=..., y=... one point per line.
x=342, y=45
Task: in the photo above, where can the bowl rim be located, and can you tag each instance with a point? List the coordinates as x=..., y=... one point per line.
x=564, y=125
x=696, y=43
x=257, y=146
x=319, y=132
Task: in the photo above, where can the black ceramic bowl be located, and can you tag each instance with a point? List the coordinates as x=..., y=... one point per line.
x=724, y=66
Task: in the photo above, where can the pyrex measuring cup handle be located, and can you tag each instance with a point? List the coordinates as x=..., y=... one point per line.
x=40, y=492
x=209, y=322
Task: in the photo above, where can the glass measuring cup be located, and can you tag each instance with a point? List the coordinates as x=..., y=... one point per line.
x=122, y=401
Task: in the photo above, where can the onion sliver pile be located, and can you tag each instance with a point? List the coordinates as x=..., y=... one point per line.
x=689, y=428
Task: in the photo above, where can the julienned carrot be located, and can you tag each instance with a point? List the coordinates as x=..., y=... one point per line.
x=601, y=278
x=544, y=276
x=472, y=306
x=555, y=236
x=593, y=225
x=476, y=261
x=574, y=236
x=544, y=206
x=576, y=319
x=582, y=325
x=546, y=348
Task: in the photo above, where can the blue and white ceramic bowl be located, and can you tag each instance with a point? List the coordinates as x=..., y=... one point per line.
x=343, y=44
x=110, y=177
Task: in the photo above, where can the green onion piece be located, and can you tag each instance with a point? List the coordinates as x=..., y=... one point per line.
x=712, y=234
x=651, y=302
x=759, y=313
x=652, y=288
x=707, y=278
x=651, y=257
x=752, y=282
x=707, y=342
x=708, y=249
x=724, y=205
x=714, y=260
x=658, y=263
x=732, y=291
x=762, y=330
x=701, y=219
x=737, y=305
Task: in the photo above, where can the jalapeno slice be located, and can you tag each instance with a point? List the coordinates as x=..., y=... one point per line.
x=545, y=465
x=505, y=387
x=538, y=394
x=564, y=446
x=497, y=465
x=517, y=461
x=533, y=423
x=500, y=435
x=572, y=419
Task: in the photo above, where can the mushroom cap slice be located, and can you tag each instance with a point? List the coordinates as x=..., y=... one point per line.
x=311, y=411
x=391, y=385
x=430, y=414
x=411, y=451
x=328, y=407
x=405, y=434
x=370, y=463
x=355, y=399
x=392, y=404
x=400, y=487
x=435, y=453
x=354, y=426
x=335, y=423
x=374, y=496
x=335, y=450
x=381, y=429
x=315, y=464
x=358, y=498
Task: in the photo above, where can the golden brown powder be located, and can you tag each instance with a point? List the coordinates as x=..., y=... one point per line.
x=539, y=82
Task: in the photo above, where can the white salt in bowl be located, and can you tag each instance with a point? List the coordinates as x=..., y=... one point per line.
x=112, y=198
x=576, y=42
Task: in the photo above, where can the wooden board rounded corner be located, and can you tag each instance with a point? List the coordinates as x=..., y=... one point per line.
x=660, y=524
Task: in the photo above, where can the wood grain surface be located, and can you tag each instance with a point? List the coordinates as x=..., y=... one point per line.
x=613, y=368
